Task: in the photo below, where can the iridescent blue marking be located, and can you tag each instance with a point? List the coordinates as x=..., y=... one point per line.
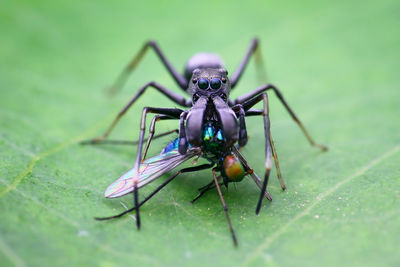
x=173, y=145
x=208, y=133
x=220, y=136
x=213, y=139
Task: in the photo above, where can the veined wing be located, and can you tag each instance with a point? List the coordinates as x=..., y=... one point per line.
x=150, y=169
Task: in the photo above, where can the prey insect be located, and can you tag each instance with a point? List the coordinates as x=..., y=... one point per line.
x=211, y=126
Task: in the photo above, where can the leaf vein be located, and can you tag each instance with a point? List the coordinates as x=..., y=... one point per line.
x=47, y=153
x=10, y=254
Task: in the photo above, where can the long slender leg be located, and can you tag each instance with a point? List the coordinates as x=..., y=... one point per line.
x=183, y=144
x=239, y=71
x=242, y=125
x=209, y=184
x=182, y=132
x=257, y=180
x=261, y=72
x=148, y=140
x=172, y=177
x=225, y=208
x=136, y=201
x=264, y=88
x=202, y=192
x=127, y=142
x=152, y=130
x=180, y=100
x=171, y=112
x=278, y=169
x=123, y=76
x=268, y=150
x=254, y=112
x=205, y=189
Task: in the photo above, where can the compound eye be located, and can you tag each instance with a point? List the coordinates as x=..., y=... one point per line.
x=202, y=84
x=215, y=83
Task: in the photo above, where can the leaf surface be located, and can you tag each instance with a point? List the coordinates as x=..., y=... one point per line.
x=337, y=65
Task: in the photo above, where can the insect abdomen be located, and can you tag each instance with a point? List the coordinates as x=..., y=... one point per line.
x=203, y=61
x=233, y=169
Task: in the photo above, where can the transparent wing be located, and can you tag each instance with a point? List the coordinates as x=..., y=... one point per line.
x=150, y=169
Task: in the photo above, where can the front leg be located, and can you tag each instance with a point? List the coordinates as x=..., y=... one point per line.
x=247, y=105
x=239, y=110
x=257, y=112
x=152, y=130
x=265, y=88
x=170, y=112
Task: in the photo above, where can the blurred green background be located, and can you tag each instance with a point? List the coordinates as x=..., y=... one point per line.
x=337, y=63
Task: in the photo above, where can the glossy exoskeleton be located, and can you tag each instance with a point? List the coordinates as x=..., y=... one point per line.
x=213, y=127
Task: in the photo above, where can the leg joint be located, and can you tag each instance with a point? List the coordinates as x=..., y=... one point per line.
x=256, y=42
x=151, y=43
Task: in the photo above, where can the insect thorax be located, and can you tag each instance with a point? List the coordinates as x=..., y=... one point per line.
x=213, y=141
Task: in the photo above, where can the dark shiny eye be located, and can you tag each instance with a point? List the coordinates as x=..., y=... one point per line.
x=202, y=83
x=223, y=79
x=215, y=83
x=194, y=80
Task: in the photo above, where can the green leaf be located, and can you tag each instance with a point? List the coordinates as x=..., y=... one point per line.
x=337, y=65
